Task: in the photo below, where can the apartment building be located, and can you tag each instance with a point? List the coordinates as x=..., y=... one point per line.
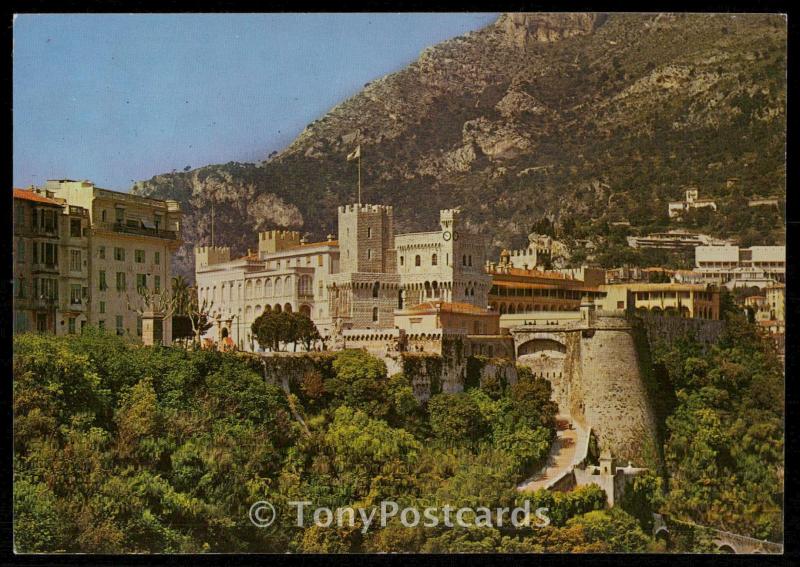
x=105, y=247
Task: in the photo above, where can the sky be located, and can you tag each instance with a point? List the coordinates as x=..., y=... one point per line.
x=120, y=98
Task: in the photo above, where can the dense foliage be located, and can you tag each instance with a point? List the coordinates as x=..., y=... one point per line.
x=725, y=439
x=122, y=448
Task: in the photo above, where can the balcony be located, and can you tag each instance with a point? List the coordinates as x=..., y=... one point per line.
x=48, y=267
x=138, y=230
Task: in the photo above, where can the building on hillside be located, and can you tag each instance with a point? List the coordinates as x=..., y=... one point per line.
x=687, y=276
x=50, y=264
x=757, y=303
x=672, y=299
x=692, y=200
x=775, y=301
x=517, y=290
x=673, y=240
x=112, y=245
x=542, y=251
x=352, y=288
x=732, y=266
x=627, y=274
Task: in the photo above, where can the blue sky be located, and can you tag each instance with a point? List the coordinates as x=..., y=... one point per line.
x=118, y=98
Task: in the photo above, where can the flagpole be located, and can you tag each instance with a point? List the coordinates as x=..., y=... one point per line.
x=359, y=174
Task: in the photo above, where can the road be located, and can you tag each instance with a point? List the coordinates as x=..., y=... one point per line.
x=560, y=459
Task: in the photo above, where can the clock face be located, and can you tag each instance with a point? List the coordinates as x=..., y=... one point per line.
x=446, y=235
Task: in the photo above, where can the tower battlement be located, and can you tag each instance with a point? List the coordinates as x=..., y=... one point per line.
x=205, y=256
x=364, y=208
x=271, y=241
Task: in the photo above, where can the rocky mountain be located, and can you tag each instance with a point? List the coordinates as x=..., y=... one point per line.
x=586, y=119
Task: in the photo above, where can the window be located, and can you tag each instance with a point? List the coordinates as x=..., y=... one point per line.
x=319, y=260
x=119, y=214
x=101, y=324
x=75, y=260
x=374, y=314
x=369, y=253
x=157, y=220
x=122, y=285
x=45, y=253
x=369, y=232
x=138, y=256
x=470, y=259
x=141, y=282
x=417, y=260
x=21, y=251
x=75, y=227
x=434, y=260
x=157, y=284
x=620, y=305
x=71, y=325
x=402, y=260
x=138, y=326
x=102, y=284
x=157, y=258
x=101, y=252
x=119, y=254
x=375, y=288
x=464, y=260
x=48, y=221
x=47, y=288
x=102, y=307
x=75, y=294
x=120, y=329
x=21, y=288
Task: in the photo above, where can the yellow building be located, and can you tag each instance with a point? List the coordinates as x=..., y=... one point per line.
x=696, y=301
x=776, y=301
x=128, y=246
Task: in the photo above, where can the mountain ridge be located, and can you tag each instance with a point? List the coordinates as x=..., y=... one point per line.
x=584, y=119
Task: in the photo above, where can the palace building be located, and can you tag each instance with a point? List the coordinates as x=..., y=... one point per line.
x=361, y=284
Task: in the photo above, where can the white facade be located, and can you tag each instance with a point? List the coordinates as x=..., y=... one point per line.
x=355, y=282
x=692, y=201
x=741, y=267
x=238, y=291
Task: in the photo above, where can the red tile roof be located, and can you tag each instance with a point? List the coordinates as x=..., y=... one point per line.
x=446, y=307
x=28, y=195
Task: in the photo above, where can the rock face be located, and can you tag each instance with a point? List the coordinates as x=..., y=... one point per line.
x=524, y=29
x=583, y=118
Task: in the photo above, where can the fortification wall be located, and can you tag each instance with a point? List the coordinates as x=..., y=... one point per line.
x=666, y=329
x=608, y=388
x=597, y=379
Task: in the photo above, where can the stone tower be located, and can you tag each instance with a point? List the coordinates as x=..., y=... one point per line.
x=272, y=241
x=205, y=256
x=366, y=239
x=466, y=253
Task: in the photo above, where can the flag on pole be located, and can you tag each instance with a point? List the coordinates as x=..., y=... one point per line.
x=355, y=154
